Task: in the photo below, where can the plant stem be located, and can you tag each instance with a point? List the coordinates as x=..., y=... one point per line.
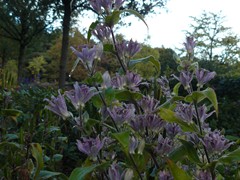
x=118, y=57
x=135, y=166
x=105, y=104
x=105, y=174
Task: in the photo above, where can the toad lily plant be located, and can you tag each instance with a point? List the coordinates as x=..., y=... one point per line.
x=130, y=133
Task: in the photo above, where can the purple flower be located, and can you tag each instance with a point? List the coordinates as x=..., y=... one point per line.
x=118, y=81
x=185, y=112
x=215, y=142
x=153, y=122
x=165, y=175
x=203, y=76
x=58, y=106
x=164, y=84
x=118, y=4
x=128, y=49
x=96, y=5
x=164, y=145
x=106, y=80
x=80, y=95
x=202, y=113
x=90, y=146
x=107, y=5
x=138, y=123
x=204, y=175
x=114, y=172
x=150, y=121
x=172, y=129
x=185, y=79
x=189, y=45
x=148, y=104
x=122, y=113
x=133, y=144
x=88, y=55
x=102, y=32
x=133, y=80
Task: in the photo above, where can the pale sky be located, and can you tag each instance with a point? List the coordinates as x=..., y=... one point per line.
x=166, y=28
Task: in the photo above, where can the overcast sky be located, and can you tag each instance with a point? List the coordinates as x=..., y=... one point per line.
x=166, y=28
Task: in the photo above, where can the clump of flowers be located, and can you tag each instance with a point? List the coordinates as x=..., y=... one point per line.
x=136, y=133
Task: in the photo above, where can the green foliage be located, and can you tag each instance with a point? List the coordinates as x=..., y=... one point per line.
x=9, y=74
x=37, y=65
x=214, y=40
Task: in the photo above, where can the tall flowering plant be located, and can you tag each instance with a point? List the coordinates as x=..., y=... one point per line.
x=139, y=134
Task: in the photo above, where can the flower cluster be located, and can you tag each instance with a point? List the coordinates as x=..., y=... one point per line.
x=137, y=130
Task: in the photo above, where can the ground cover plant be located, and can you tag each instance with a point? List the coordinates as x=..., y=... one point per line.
x=119, y=126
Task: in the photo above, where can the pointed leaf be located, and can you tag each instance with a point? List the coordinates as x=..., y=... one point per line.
x=80, y=173
x=123, y=139
x=126, y=95
x=90, y=29
x=151, y=59
x=230, y=157
x=196, y=96
x=38, y=156
x=211, y=95
x=176, y=88
x=178, y=173
x=74, y=66
x=113, y=19
x=133, y=12
x=170, y=116
x=191, y=151
x=49, y=174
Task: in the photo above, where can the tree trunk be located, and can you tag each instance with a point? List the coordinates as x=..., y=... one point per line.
x=22, y=48
x=65, y=43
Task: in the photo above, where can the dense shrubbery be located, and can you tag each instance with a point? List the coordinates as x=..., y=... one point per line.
x=117, y=126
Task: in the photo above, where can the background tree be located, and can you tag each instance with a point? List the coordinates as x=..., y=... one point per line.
x=22, y=21
x=66, y=9
x=214, y=40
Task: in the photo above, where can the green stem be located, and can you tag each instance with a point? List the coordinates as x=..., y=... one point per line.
x=118, y=57
x=105, y=104
x=135, y=166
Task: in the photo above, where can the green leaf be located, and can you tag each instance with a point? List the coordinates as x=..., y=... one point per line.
x=127, y=95
x=10, y=145
x=211, y=95
x=109, y=95
x=82, y=172
x=230, y=157
x=97, y=102
x=49, y=174
x=176, y=88
x=53, y=129
x=112, y=19
x=170, y=116
x=170, y=102
x=133, y=12
x=13, y=113
x=90, y=29
x=74, y=66
x=57, y=157
x=178, y=154
x=196, y=96
x=109, y=48
x=123, y=139
x=10, y=137
x=96, y=78
x=38, y=156
x=190, y=151
x=151, y=59
x=178, y=173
